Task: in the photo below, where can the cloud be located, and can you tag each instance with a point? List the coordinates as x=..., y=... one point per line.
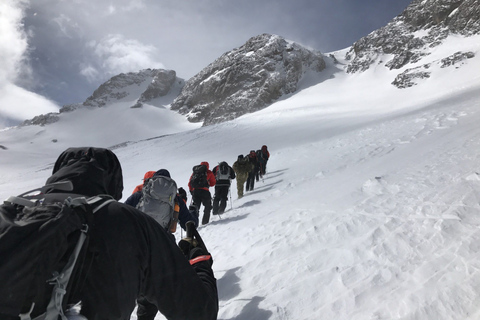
x=131, y=6
x=19, y=104
x=117, y=54
x=16, y=103
x=13, y=41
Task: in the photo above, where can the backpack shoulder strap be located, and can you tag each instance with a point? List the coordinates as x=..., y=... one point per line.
x=60, y=280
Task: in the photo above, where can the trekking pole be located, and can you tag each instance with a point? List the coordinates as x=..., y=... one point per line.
x=192, y=233
x=230, y=193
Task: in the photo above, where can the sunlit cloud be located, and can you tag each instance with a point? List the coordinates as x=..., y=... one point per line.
x=15, y=102
x=13, y=40
x=118, y=54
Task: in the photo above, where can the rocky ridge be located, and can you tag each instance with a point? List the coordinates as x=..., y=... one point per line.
x=246, y=79
x=406, y=39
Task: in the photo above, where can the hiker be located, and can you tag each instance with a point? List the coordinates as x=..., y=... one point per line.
x=241, y=167
x=265, y=157
x=184, y=214
x=252, y=157
x=128, y=254
x=145, y=309
x=147, y=175
x=223, y=174
x=261, y=165
x=200, y=182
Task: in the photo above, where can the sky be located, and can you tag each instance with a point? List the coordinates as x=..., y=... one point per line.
x=370, y=207
x=61, y=51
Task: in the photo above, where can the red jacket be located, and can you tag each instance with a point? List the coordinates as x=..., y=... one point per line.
x=210, y=178
x=147, y=175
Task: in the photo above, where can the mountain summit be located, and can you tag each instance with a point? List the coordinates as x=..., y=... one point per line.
x=246, y=79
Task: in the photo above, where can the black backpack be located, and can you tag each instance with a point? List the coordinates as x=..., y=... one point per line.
x=199, y=177
x=40, y=245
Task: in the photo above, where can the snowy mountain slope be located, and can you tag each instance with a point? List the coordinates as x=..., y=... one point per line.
x=360, y=217
x=370, y=208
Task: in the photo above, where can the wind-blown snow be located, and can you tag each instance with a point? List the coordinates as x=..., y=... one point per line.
x=369, y=210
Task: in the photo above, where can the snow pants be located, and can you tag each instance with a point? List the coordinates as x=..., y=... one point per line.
x=220, y=199
x=201, y=196
x=251, y=181
x=241, y=178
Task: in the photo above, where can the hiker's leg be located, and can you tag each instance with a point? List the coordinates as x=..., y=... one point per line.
x=223, y=195
x=207, y=202
x=216, y=201
x=240, y=183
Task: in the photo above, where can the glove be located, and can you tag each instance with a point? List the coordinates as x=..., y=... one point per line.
x=183, y=193
x=187, y=245
x=194, y=253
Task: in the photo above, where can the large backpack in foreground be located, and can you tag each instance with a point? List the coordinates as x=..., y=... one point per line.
x=39, y=247
x=158, y=201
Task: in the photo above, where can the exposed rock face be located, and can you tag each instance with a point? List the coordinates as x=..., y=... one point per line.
x=246, y=79
x=160, y=86
x=140, y=87
x=148, y=83
x=42, y=119
x=422, y=25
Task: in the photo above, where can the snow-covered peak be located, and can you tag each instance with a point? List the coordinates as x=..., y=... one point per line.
x=247, y=79
x=405, y=43
x=145, y=85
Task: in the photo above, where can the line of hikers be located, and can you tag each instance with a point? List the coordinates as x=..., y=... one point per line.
x=132, y=254
x=247, y=169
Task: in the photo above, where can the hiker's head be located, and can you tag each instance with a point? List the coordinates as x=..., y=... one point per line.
x=205, y=163
x=163, y=173
x=92, y=171
x=240, y=157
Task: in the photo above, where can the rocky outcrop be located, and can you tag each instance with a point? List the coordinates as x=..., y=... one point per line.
x=146, y=84
x=246, y=79
x=410, y=76
x=408, y=37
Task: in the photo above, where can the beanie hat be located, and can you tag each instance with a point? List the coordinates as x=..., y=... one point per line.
x=162, y=172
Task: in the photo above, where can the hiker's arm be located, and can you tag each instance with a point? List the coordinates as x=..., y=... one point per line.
x=180, y=290
x=185, y=215
x=211, y=179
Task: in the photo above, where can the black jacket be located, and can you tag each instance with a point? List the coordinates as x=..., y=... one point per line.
x=130, y=254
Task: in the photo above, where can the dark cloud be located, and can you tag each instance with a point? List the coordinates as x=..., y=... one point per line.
x=78, y=44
